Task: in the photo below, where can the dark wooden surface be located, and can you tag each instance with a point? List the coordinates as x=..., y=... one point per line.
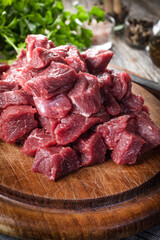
x=103, y=201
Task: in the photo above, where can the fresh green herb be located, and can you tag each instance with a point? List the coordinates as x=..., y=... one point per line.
x=18, y=18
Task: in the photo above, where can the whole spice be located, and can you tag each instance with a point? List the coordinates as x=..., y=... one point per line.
x=138, y=32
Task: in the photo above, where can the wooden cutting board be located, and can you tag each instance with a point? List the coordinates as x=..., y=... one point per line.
x=105, y=201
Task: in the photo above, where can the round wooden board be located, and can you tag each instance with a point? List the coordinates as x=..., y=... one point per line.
x=105, y=201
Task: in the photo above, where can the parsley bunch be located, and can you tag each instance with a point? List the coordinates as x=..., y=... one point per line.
x=18, y=18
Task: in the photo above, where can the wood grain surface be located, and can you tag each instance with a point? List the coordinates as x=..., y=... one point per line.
x=105, y=201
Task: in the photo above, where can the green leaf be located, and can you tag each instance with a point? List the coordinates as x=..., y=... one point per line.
x=10, y=41
x=48, y=17
x=13, y=24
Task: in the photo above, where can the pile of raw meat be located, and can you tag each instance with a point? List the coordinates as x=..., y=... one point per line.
x=69, y=110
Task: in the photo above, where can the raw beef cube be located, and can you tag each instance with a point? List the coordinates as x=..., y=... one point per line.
x=62, y=50
x=132, y=104
x=148, y=131
x=85, y=94
x=55, y=162
x=4, y=67
x=56, y=107
x=41, y=57
x=145, y=109
x=16, y=121
x=131, y=125
x=111, y=131
x=6, y=86
x=110, y=103
x=34, y=41
x=55, y=79
x=48, y=123
x=91, y=149
x=73, y=125
x=97, y=60
x=121, y=85
x=70, y=128
x=75, y=61
x=25, y=74
x=127, y=148
x=100, y=117
x=104, y=79
x=37, y=139
x=17, y=97
x=10, y=74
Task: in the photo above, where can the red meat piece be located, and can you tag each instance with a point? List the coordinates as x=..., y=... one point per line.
x=54, y=79
x=34, y=41
x=62, y=50
x=110, y=103
x=10, y=74
x=111, y=131
x=91, y=149
x=49, y=124
x=37, y=139
x=132, y=104
x=121, y=85
x=41, y=57
x=56, y=107
x=148, y=131
x=27, y=73
x=16, y=121
x=73, y=125
x=4, y=67
x=104, y=79
x=6, y=86
x=17, y=97
x=75, y=61
x=97, y=60
x=85, y=94
x=55, y=162
x=127, y=149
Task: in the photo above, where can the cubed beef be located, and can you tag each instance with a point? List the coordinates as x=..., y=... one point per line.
x=85, y=94
x=132, y=104
x=97, y=60
x=55, y=79
x=16, y=121
x=121, y=85
x=91, y=149
x=73, y=125
x=104, y=79
x=41, y=57
x=127, y=148
x=3, y=68
x=131, y=125
x=111, y=131
x=55, y=162
x=145, y=109
x=34, y=41
x=6, y=86
x=27, y=73
x=49, y=124
x=62, y=50
x=10, y=74
x=17, y=97
x=56, y=107
x=148, y=131
x=38, y=138
x=110, y=103
x=75, y=61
